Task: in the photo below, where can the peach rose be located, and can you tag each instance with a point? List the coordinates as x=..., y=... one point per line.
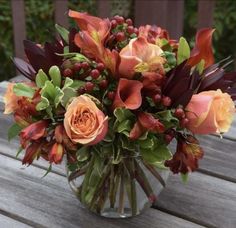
x=10, y=99
x=140, y=56
x=210, y=112
x=84, y=122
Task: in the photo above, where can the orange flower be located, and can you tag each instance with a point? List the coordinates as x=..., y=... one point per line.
x=32, y=152
x=128, y=94
x=146, y=122
x=140, y=56
x=84, y=122
x=210, y=112
x=202, y=48
x=56, y=153
x=91, y=39
x=10, y=99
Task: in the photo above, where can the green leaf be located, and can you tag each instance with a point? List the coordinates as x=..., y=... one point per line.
x=69, y=93
x=68, y=82
x=167, y=118
x=43, y=104
x=200, y=66
x=82, y=154
x=55, y=75
x=122, y=114
x=21, y=89
x=49, y=91
x=183, y=51
x=77, y=84
x=124, y=126
x=19, y=151
x=13, y=131
x=184, y=177
x=58, y=97
x=170, y=57
x=41, y=78
x=148, y=143
x=64, y=33
x=48, y=171
x=128, y=144
x=156, y=155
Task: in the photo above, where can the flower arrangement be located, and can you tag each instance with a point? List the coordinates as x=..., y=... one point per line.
x=111, y=97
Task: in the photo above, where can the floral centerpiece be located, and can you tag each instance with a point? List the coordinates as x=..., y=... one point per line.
x=111, y=97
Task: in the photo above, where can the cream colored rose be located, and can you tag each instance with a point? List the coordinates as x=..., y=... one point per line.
x=210, y=112
x=84, y=122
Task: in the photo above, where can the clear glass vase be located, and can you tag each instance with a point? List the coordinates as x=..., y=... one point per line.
x=118, y=190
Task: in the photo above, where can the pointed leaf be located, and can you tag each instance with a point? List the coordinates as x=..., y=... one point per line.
x=41, y=78
x=13, y=131
x=21, y=89
x=183, y=51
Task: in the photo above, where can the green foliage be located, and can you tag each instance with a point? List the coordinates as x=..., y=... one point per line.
x=183, y=51
x=13, y=131
x=21, y=89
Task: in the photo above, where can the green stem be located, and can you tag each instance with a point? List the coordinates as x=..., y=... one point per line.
x=122, y=194
x=143, y=182
x=155, y=173
x=103, y=197
x=86, y=180
x=77, y=173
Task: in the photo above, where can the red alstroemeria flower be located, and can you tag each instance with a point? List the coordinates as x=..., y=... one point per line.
x=56, y=153
x=187, y=155
x=152, y=32
x=146, y=122
x=202, y=48
x=33, y=132
x=32, y=152
x=128, y=94
x=91, y=38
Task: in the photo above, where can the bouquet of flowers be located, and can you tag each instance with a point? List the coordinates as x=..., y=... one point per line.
x=111, y=97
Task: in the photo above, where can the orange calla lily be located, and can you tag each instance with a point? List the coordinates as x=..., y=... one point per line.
x=202, y=48
x=128, y=94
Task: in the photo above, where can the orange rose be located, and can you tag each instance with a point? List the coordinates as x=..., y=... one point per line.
x=10, y=99
x=210, y=112
x=84, y=122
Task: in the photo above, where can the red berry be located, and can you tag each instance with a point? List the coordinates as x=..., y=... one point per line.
x=77, y=67
x=81, y=90
x=95, y=73
x=184, y=122
x=67, y=72
x=156, y=98
x=179, y=113
x=103, y=84
x=129, y=21
x=119, y=20
x=113, y=24
x=111, y=95
x=166, y=101
x=136, y=31
x=89, y=86
x=168, y=138
x=84, y=65
x=120, y=36
x=130, y=29
x=100, y=67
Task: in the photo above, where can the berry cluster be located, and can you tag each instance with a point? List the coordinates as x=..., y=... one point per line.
x=121, y=32
x=180, y=114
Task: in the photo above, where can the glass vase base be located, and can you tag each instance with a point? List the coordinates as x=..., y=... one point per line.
x=114, y=213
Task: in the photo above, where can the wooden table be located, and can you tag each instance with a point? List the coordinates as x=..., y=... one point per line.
x=207, y=200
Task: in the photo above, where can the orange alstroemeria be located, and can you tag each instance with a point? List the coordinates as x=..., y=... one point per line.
x=32, y=152
x=203, y=48
x=56, y=153
x=91, y=39
x=128, y=94
x=33, y=132
x=140, y=56
x=146, y=122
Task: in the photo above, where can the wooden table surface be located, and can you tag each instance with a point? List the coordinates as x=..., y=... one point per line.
x=207, y=200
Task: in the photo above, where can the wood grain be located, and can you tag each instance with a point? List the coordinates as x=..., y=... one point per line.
x=50, y=203
x=205, y=199
x=11, y=223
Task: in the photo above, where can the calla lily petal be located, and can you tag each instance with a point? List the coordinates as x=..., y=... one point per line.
x=128, y=94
